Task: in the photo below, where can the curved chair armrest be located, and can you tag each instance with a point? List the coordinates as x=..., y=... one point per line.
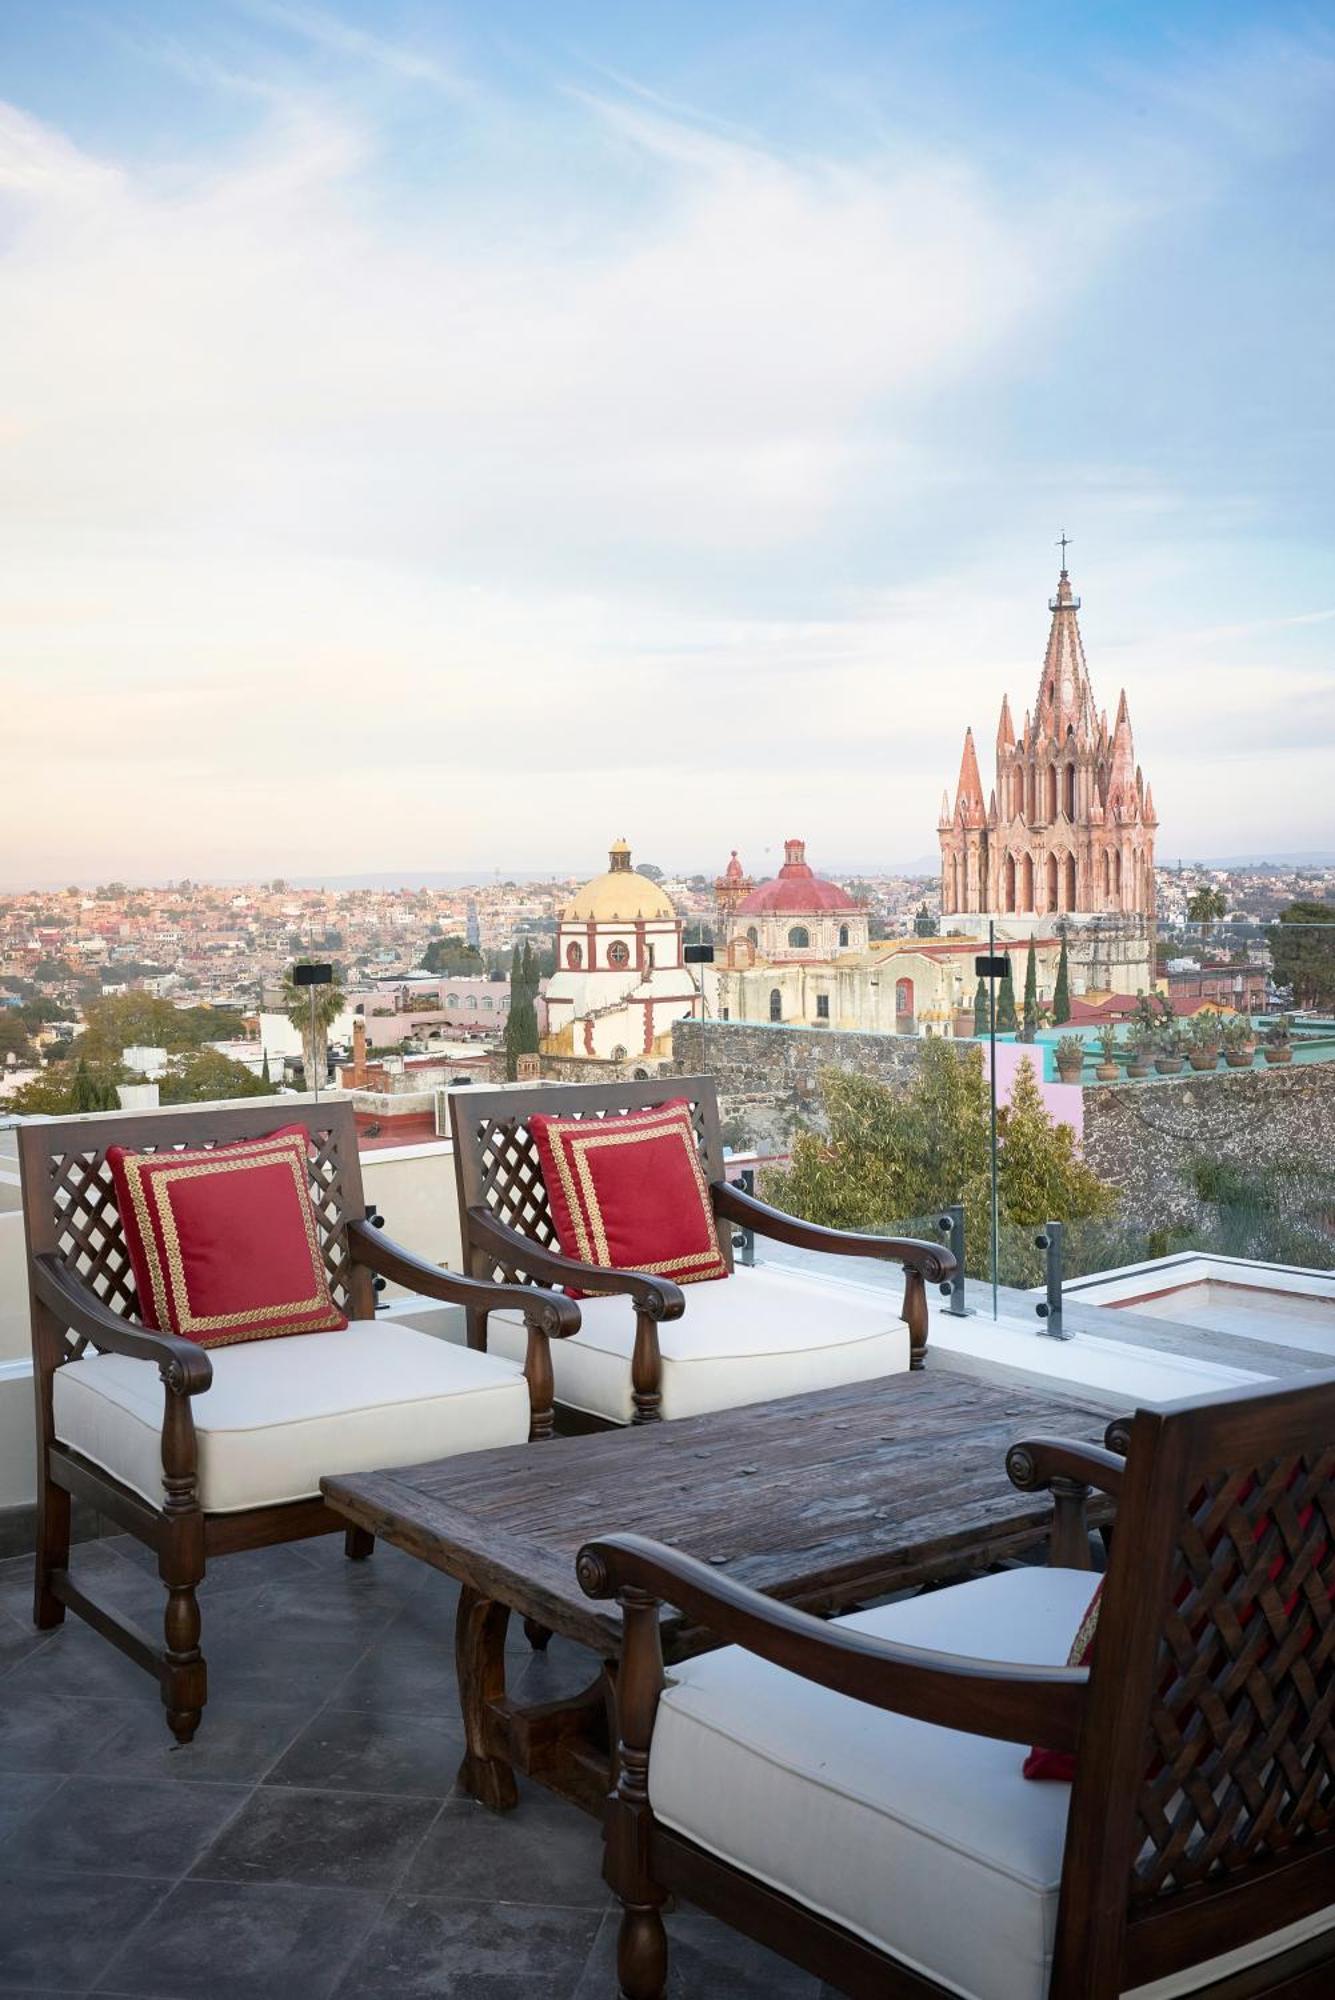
x=1015, y=1703
x=933, y=1260
x=658, y=1297
x=553, y=1313
x=1034, y=1463
x=183, y=1364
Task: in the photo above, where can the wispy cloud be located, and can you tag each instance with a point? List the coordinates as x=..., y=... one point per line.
x=643, y=456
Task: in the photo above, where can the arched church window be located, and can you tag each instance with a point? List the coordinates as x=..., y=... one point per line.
x=471, y=1001
x=619, y=1052
x=904, y=996
x=775, y=1004
x=451, y=999
x=1027, y=883
x=1069, y=902
x=1052, y=791
x=1010, y=882
x=574, y=957
x=799, y=937
x=1052, y=881
x=618, y=953
x=752, y=935
x=1070, y=792
x=843, y=936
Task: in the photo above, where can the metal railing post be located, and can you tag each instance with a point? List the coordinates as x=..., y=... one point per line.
x=1049, y=1309
x=951, y=1226
x=744, y=1240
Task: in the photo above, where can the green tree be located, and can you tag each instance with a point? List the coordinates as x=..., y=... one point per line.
x=924, y=923
x=891, y=1156
x=981, y=1009
x=521, y=1026
x=117, y=1021
x=314, y=1031
x=1302, y=947
x=1006, y=1020
x=14, y=1038
x=1061, y=992
x=90, y=1090
x=453, y=957
x=1207, y=907
x=1030, y=989
x=203, y=1075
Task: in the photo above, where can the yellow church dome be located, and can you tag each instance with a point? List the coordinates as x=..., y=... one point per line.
x=620, y=893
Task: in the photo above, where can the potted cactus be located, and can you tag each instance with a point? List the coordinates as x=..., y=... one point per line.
x=1239, y=1046
x=1141, y=1043
x=1203, y=1053
x=1110, y=1048
x=1279, y=1040
x=1169, y=1061
x=1070, y=1058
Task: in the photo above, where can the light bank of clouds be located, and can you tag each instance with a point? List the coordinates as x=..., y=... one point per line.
x=311, y=499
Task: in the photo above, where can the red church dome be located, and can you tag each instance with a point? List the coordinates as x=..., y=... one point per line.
x=795, y=891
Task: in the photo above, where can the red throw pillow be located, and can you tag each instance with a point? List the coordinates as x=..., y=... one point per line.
x=1042, y=1763
x=223, y=1241
x=629, y=1192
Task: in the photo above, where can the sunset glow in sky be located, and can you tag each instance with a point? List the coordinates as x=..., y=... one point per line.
x=438, y=436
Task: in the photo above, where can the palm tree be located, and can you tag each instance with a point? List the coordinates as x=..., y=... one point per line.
x=313, y=1022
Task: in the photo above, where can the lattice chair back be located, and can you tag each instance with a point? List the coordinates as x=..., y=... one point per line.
x=69, y=1200
x=496, y=1156
x=1210, y=1774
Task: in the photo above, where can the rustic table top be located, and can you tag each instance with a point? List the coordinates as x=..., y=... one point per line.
x=821, y=1500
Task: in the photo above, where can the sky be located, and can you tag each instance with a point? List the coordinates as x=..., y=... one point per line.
x=438, y=436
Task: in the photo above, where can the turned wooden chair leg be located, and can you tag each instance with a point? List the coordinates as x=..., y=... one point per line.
x=358, y=1544
x=53, y=1552
x=642, y=1960
x=181, y=1567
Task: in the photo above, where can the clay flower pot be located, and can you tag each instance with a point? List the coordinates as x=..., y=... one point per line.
x=1138, y=1066
x=1278, y=1055
x=1106, y=1072
x=1239, y=1058
x=1169, y=1065
x=1204, y=1059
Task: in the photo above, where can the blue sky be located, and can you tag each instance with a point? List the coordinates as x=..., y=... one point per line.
x=456, y=435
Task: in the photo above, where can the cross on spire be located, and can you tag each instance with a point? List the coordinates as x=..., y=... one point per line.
x=1063, y=543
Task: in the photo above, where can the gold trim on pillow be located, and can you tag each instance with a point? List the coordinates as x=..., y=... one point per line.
x=582, y=1201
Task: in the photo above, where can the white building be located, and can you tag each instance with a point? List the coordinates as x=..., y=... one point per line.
x=621, y=980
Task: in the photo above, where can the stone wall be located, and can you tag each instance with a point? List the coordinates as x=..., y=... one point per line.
x=596, y=1069
x=1146, y=1138
x=769, y=1077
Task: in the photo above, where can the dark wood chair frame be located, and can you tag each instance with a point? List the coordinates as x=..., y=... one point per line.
x=83, y=1297
x=1202, y=1814
x=508, y=1233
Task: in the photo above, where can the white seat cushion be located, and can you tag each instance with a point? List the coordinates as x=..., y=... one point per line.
x=926, y=1841
x=280, y=1413
x=762, y=1332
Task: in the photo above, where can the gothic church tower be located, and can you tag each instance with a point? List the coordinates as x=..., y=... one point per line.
x=1067, y=834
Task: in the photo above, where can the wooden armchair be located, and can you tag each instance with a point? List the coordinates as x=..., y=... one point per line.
x=152, y=1455
x=766, y=1331
x=852, y=1793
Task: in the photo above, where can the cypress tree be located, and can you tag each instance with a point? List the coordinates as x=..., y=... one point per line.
x=1031, y=989
x=980, y=1008
x=1006, y=1020
x=1061, y=992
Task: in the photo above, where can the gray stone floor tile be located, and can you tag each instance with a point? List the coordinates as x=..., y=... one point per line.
x=355, y=1839
x=52, y=1732
x=18, y=1641
x=265, y=1664
x=544, y=1852
x=243, y=1941
x=21, y=1792
x=78, y=1661
x=351, y=1750
x=123, y=1826
x=422, y=1949
x=402, y=1670
x=59, y=1931
x=234, y=1745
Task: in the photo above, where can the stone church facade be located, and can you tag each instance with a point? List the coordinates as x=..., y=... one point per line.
x=1066, y=835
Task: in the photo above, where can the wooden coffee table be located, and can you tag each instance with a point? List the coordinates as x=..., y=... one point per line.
x=824, y=1501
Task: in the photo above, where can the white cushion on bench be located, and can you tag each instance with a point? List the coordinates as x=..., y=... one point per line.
x=281, y=1413
x=926, y=1841
x=762, y=1332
